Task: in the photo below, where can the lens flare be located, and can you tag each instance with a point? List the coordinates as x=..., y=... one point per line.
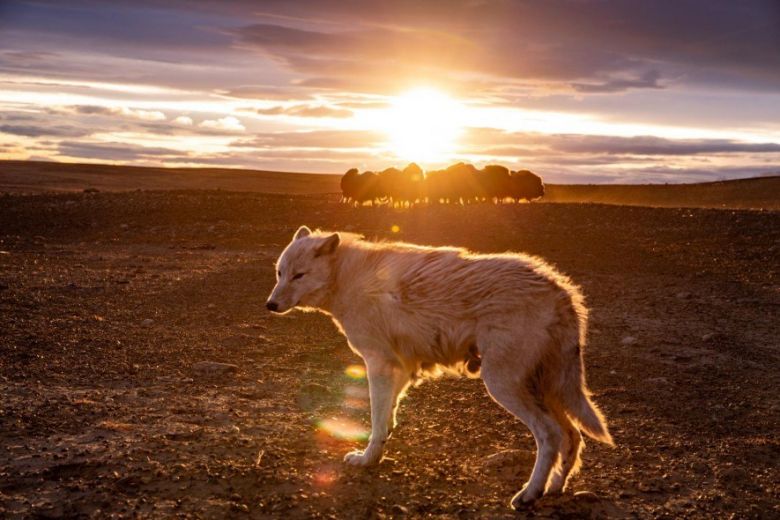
x=396, y=228
x=325, y=477
x=356, y=372
x=343, y=429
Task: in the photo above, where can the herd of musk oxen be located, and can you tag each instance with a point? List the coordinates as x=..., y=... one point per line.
x=458, y=184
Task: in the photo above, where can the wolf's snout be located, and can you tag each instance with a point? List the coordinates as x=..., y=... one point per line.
x=272, y=306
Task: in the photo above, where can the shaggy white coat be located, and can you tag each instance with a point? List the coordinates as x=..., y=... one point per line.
x=411, y=311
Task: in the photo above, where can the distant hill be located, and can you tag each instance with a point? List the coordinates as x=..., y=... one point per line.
x=36, y=177
x=756, y=193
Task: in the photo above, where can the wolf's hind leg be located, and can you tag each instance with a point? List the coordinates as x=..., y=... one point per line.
x=571, y=446
x=511, y=390
x=386, y=380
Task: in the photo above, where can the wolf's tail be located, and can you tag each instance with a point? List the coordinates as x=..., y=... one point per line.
x=581, y=409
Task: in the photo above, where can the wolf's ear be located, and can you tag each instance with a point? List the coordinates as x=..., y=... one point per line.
x=329, y=245
x=302, y=232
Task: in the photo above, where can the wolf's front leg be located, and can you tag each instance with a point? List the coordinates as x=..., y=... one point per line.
x=386, y=380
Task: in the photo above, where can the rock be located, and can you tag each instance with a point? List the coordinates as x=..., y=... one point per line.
x=124, y=226
x=91, y=190
x=709, y=336
x=211, y=306
x=587, y=496
x=147, y=323
x=683, y=295
x=628, y=340
x=214, y=368
x=398, y=509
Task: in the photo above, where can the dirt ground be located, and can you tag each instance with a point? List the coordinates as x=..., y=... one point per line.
x=109, y=301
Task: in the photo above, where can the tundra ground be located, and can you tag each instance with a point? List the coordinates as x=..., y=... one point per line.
x=109, y=301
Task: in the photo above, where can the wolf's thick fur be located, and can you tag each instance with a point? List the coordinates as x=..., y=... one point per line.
x=409, y=310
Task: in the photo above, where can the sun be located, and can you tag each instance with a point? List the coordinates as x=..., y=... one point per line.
x=423, y=125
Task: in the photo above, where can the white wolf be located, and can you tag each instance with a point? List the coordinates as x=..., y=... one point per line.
x=410, y=311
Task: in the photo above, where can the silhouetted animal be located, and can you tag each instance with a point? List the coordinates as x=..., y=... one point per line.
x=349, y=185
x=459, y=183
x=525, y=185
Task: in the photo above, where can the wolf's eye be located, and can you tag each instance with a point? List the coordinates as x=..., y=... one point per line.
x=298, y=276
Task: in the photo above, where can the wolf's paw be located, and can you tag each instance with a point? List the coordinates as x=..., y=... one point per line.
x=557, y=484
x=524, y=498
x=359, y=458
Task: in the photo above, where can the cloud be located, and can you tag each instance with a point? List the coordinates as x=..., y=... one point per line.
x=527, y=143
x=598, y=46
x=279, y=92
x=183, y=120
x=144, y=115
x=305, y=111
x=330, y=139
x=114, y=151
x=647, y=80
x=648, y=145
x=41, y=131
x=227, y=123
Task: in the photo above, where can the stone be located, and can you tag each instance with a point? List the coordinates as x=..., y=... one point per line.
x=399, y=510
x=587, y=496
x=147, y=323
x=628, y=340
x=214, y=368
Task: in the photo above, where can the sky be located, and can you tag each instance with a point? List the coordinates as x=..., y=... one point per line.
x=579, y=91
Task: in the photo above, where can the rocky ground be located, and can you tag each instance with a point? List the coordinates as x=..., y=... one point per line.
x=140, y=374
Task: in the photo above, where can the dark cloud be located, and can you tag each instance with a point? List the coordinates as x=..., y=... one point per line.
x=41, y=131
x=588, y=43
x=114, y=151
x=594, y=46
x=649, y=79
x=520, y=143
x=648, y=145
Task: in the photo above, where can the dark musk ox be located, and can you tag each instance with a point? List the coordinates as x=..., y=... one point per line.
x=369, y=189
x=349, y=185
x=390, y=181
x=459, y=183
x=436, y=187
x=412, y=184
x=494, y=183
x=525, y=185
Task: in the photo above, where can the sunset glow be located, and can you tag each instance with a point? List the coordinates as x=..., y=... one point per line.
x=423, y=126
x=324, y=87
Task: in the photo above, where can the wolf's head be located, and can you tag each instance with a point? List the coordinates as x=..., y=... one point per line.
x=303, y=271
